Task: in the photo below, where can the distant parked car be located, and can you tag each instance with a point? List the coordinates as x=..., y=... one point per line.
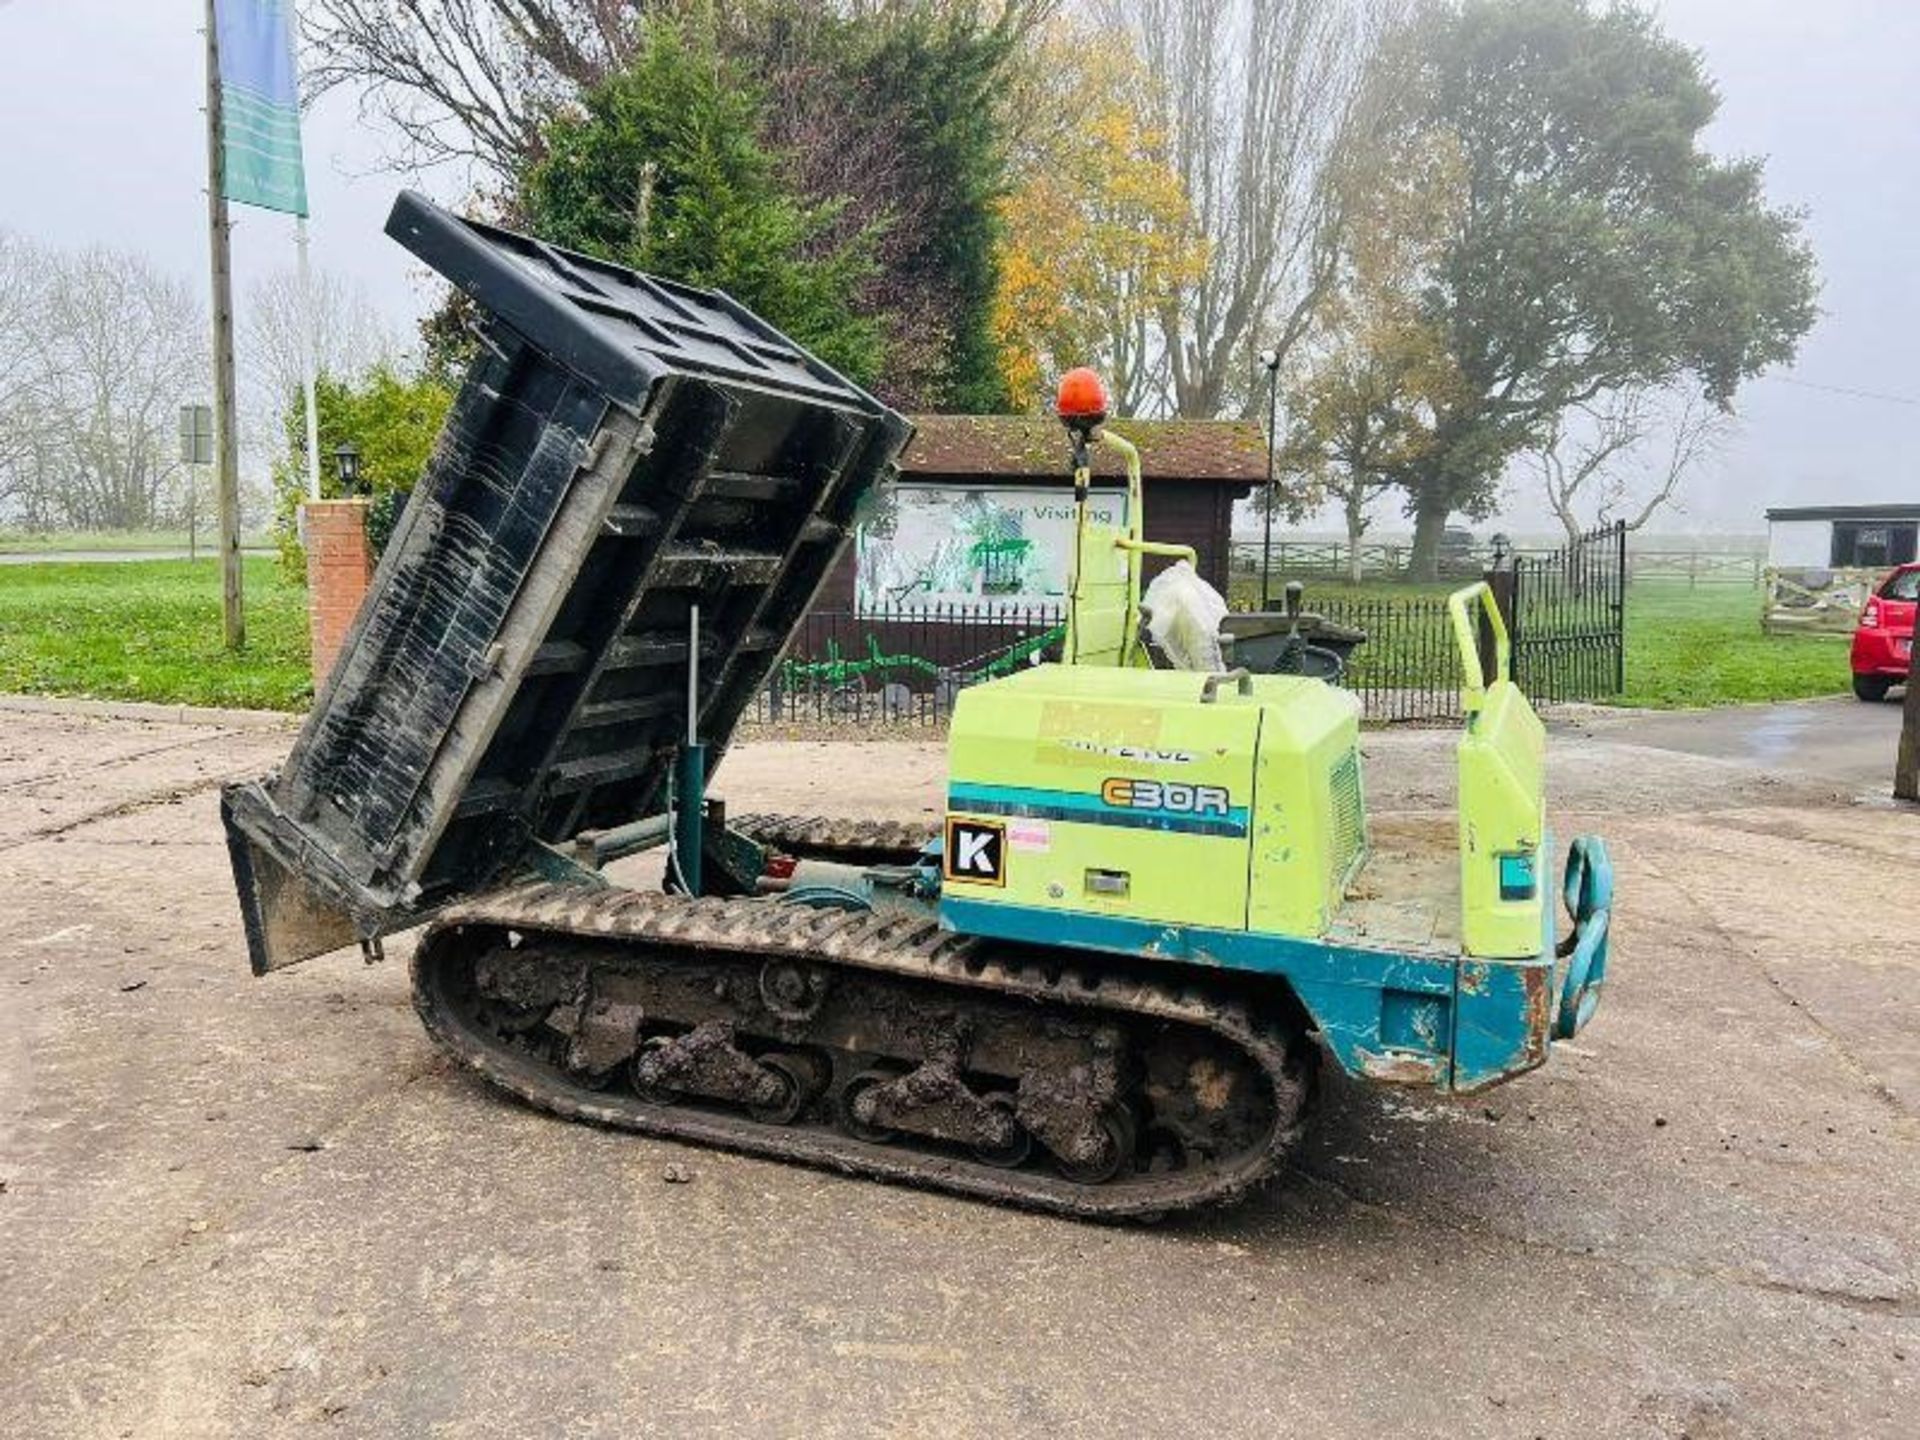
x=1456, y=552
x=1883, y=641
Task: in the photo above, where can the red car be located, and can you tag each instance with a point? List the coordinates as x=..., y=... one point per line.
x=1883, y=643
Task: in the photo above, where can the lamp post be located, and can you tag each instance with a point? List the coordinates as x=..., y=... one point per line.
x=1270, y=361
x=346, y=460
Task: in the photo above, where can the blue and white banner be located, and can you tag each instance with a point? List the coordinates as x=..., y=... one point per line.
x=260, y=105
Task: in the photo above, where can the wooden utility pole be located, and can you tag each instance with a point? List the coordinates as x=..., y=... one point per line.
x=226, y=454
x=1906, y=770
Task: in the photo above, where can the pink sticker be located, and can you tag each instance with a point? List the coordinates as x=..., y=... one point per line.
x=1030, y=835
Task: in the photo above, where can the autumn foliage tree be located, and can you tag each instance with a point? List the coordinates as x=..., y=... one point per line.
x=1098, y=234
x=1254, y=99
x=1364, y=413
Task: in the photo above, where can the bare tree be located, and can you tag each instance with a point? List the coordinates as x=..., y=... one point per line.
x=119, y=346
x=1258, y=97
x=349, y=337
x=466, y=80
x=20, y=282
x=1624, y=456
x=98, y=350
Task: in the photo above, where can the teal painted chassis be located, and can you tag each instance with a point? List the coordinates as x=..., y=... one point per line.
x=1448, y=1022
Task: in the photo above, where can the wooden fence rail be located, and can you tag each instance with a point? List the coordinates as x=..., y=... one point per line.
x=1388, y=560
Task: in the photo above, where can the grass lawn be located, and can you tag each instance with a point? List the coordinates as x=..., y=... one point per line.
x=1704, y=647
x=39, y=542
x=1244, y=590
x=150, y=630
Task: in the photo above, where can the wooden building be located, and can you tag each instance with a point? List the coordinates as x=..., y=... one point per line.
x=982, y=517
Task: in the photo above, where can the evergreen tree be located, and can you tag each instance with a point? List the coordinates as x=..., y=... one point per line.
x=662, y=169
x=940, y=74
x=390, y=416
x=896, y=117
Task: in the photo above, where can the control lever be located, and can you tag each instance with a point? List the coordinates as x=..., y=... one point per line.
x=1210, y=691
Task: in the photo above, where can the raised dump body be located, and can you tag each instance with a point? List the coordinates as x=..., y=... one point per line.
x=623, y=451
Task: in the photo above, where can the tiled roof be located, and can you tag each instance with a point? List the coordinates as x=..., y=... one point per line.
x=1036, y=447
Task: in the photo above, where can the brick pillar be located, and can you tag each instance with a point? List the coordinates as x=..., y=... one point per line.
x=339, y=569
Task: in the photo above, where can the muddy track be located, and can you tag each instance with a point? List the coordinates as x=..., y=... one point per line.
x=1233, y=1085
x=851, y=842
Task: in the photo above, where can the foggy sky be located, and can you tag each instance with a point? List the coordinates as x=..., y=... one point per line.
x=101, y=140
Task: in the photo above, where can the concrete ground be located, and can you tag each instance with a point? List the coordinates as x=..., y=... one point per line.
x=235, y=1207
x=1839, y=737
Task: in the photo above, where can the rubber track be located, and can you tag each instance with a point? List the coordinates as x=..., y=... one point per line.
x=826, y=837
x=914, y=948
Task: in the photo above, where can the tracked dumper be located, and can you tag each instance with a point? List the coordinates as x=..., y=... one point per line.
x=1102, y=989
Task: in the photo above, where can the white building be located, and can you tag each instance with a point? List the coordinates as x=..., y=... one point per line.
x=1824, y=560
x=1842, y=537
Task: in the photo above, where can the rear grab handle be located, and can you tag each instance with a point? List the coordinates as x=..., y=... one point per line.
x=1473, y=685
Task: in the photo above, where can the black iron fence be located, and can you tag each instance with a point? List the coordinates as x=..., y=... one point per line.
x=1565, y=611
x=1567, y=614
x=1564, y=608
x=1409, y=667
x=906, y=666
x=901, y=665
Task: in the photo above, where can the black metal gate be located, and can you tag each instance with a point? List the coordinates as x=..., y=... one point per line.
x=1567, y=613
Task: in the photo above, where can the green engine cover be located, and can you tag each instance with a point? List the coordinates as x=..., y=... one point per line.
x=1156, y=795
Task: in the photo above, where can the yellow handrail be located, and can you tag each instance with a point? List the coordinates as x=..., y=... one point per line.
x=1473, y=690
x=1131, y=544
x=1159, y=547
x=1134, y=543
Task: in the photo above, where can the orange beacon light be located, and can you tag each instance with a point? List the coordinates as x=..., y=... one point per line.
x=1082, y=399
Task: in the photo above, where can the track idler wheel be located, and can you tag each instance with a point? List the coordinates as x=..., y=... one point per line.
x=804, y=1075
x=1103, y=1154
x=858, y=1112
x=1012, y=1153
